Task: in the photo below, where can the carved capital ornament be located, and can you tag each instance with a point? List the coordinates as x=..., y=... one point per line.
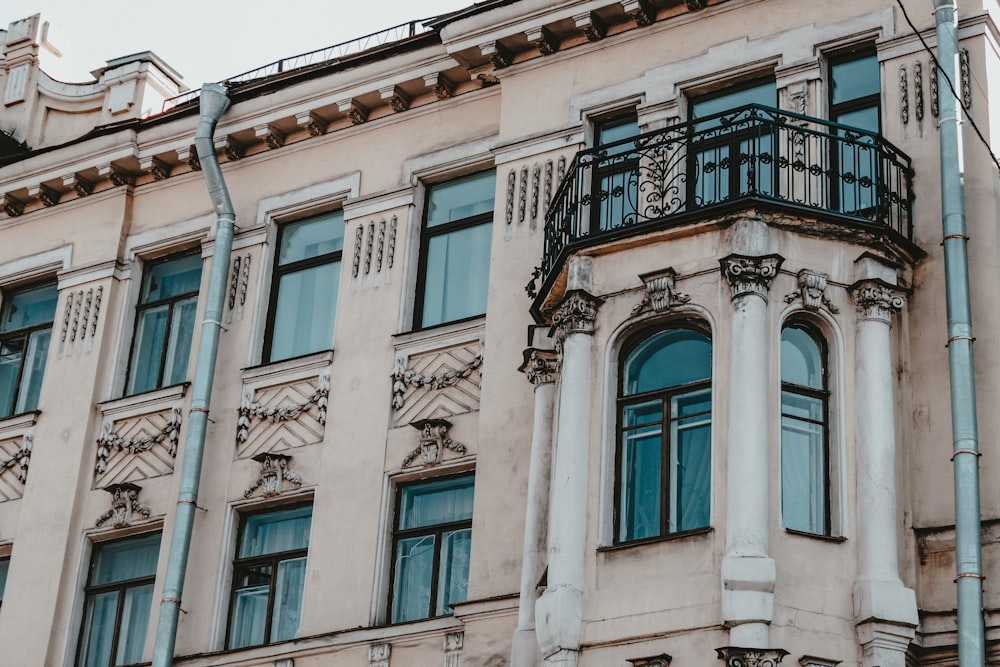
x=812, y=291
x=576, y=314
x=876, y=300
x=540, y=366
x=750, y=275
x=735, y=656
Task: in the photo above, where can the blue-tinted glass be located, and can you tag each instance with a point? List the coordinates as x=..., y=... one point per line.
x=121, y=560
x=642, y=484
x=462, y=198
x=29, y=307
x=643, y=413
x=134, y=623
x=147, y=353
x=414, y=569
x=34, y=370
x=274, y=532
x=457, y=275
x=306, y=310
x=182, y=325
x=288, y=588
x=249, y=621
x=668, y=359
x=4, y=569
x=854, y=79
x=311, y=238
x=620, y=130
x=803, y=476
x=763, y=93
x=801, y=358
x=453, y=574
x=10, y=362
x=441, y=501
x=162, y=280
x=99, y=630
x=691, y=470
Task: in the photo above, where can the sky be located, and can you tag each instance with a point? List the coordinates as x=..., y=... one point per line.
x=207, y=40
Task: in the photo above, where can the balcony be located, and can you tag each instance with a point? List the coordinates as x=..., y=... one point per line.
x=749, y=156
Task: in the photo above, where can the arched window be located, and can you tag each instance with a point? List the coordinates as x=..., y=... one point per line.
x=805, y=471
x=663, y=464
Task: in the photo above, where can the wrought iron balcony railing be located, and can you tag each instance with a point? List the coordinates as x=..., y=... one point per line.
x=701, y=167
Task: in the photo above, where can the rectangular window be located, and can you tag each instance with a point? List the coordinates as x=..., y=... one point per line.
x=455, y=252
x=304, y=287
x=855, y=96
x=119, y=597
x=25, y=332
x=269, y=576
x=431, y=546
x=164, y=323
x=4, y=569
x=615, y=174
x=725, y=162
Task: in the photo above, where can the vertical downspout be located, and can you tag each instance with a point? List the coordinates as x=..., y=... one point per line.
x=214, y=103
x=968, y=547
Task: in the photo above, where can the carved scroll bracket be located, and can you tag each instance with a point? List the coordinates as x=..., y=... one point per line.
x=812, y=291
x=661, y=292
x=274, y=471
x=124, y=505
x=434, y=440
x=249, y=410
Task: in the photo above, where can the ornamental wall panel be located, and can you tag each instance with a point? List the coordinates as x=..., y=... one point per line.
x=437, y=384
x=138, y=446
x=15, y=456
x=281, y=416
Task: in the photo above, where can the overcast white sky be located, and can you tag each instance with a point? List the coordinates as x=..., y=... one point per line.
x=208, y=40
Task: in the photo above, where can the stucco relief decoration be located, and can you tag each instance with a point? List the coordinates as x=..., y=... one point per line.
x=547, y=196
x=79, y=325
x=661, y=292
x=812, y=291
x=661, y=660
x=374, y=250
x=904, y=97
x=813, y=661
x=918, y=90
x=380, y=246
x=271, y=418
x=963, y=61
x=16, y=453
x=124, y=505
x=576, y=314
x=522, y=195
x=379, y=654
x=391, y=249
x=434, y=440
x=274, y=472
x=540, y=366
x=359, y=233
x=876, y=300
x=11, y=205
x=369, y=243
x=536, y=181
x=138, y=447
x=511, y=189
x=935, y=100
x=751, y=657
x=437, y=384
x=750, y=275
x=453, y=644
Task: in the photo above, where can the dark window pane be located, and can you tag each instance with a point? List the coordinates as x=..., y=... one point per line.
x=249, y=622
x=414, y=568
x=4, y=569
x=854, y=79
x=121, y=560
x=10, y=364
x=453, y=576
x=691, y=473
x=29, y=307
x=150, y=337
x=437, y=502
x=762, y=93
x=182, y=326
x=642, y=484
x=34, y=369
x=462, y=198
x=803, y=476
x=305, y=311
x=643, y=413
x=171, y=278
x=457, y=275
x=274, y=532
x=99, y=629
x=801, y=358
x=311, y=238
x=668, y=359
x=288, y=589
x=134, y=623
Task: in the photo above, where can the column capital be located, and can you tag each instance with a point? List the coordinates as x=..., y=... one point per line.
x=576, y=313
x=540, y=366
x=750, y=275
x=877, y=300
x=750, y=657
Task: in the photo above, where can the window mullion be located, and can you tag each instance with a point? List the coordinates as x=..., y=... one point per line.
x=435, y=570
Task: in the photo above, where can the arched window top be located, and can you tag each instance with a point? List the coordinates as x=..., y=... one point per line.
x=802, y=357
x=667, y=359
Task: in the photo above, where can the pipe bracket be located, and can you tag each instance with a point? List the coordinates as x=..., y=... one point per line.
x=965, y=451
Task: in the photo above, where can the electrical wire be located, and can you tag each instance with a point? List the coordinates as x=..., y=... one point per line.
x=951, y=87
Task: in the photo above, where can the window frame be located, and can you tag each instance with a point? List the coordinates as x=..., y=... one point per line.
x=664, y=396
x=436, y=529
x=24, y=334
x=274, y=559
x=121, y=587
x=277, y=272
x=443, y=229
x=141, y=307
x=824, y=395
x=599, y=217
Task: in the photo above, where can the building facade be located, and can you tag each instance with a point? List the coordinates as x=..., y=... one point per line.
x=576, y=333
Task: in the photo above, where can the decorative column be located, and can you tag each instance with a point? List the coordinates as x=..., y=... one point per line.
x=885, y=610
x=748, y=573
x=541, y=367
x=559, y=611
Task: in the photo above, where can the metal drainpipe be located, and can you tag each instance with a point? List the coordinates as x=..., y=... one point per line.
x=214, y=103
x=968, y=547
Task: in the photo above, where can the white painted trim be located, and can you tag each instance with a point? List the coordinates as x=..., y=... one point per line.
x=381, y=202
x=35, y=267
x=166, y=240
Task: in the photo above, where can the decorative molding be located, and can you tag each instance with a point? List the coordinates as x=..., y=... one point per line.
x=561, y=169
x=935, y=100
x=576, y=313
x=439, y=85
x=522, y=195
x=543, y=40
x=750, y=657
x=44, y=194
x=498, y=54
x=144, y=446
x=661, y=660
x=271, y=135
x=116, y=175
x=359, y=234
x=284, y=662
x=536, y=183
x=750, y=275
x=80, y=316
x=398, y=100
x=124, y=503
x=369, y=241
x=274, y=411
x=379, y=654
x=189, y=154
x=156, y=167
x=274, y=470
x=876, y=300
x=234, y=281
x=904, y=96
x=311, y=123
x=405, y=377
x=354, y=111
x=433, y=441
x=642, y=11
x=453, y=644
x=511, y=188
x=963, y=63
x=695, y=5
x=918, y=90
x=14, y=468
x=813, y=661
x=661, y=292
x=812, y=291
x=540, y=366
x=591, y=25
x=391, y=250
x=230, y=147
x=11, y=205
x=547, y=196
x=380, y=246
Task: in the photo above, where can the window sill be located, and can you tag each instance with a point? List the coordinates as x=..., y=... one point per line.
x=446, y=331
x=19, y=422
x=143, y=399
x=284, y=367
x=694, y=532
x=815, y=536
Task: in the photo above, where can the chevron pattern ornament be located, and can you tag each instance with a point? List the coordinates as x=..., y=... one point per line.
x=437, y=384
x=280, y=417
x=138, y=447
x=15, y=457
